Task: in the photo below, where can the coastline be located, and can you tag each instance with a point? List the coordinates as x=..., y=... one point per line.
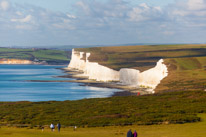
x=125, y=89
x=75, y=77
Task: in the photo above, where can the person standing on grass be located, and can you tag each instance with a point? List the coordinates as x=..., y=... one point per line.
x=75, y=127
x=42, y=128
x=135, y=134
x=52, y=127
x=59, y=126
x=129, y=133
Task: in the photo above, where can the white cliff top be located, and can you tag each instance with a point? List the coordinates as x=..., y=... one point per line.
x=149, y=78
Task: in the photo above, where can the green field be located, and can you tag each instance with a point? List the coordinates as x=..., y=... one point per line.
x=48, y=55
x=177, y=130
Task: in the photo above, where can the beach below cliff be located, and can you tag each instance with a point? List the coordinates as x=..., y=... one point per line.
x=76, y=76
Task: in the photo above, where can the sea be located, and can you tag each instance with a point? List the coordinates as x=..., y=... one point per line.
x=16, y=85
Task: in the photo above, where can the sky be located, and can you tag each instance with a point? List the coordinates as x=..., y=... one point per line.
x=32, y=23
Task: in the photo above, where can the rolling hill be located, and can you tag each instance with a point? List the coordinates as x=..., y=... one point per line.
x=48, y=55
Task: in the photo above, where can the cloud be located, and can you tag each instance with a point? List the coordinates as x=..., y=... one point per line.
x=139, y=13
x=4, y=5
x=19, y=13
x=28, y=18
x=192, y=14
x=191, y=7
x=106, y=22
x=84, y=6
x=168, y=32
x=196, y=4
x=71, y=16
x=23, y=27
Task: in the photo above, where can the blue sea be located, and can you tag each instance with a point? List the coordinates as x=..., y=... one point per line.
x=15, y=85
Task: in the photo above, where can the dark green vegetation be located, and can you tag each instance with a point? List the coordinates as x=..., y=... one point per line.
x=48, y=55
x=172, y=107
x=186, y=63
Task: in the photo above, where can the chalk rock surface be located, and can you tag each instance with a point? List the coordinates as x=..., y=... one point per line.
x=21, y=61
x=15, y=61
x=131, y=77
x=92, y=69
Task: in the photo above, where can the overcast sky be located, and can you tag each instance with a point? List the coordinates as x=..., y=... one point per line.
x=101, y=22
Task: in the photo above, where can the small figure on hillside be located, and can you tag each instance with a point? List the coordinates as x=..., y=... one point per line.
x=129, y=133
x=42, y=128
x=52, y=127
x=59, y=126
x=135, y=134
x=75, y=127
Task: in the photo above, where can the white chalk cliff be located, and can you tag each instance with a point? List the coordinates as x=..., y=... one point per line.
x=15, y=61
x=20, y=61
x=132, y=77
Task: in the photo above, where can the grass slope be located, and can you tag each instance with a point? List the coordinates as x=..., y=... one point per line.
x=184, y=74
x=186, y=63
x=141, y=57
x=177, y=130
x=51, y=56
x=172, y=107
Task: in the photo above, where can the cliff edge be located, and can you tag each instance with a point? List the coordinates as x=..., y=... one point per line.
x=126, y=76
x=19, y=61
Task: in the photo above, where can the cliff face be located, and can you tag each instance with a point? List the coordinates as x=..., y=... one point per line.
x=132, y=77
x=15, y=61
x=19, y=61
x=149, y=78
x=92, y=69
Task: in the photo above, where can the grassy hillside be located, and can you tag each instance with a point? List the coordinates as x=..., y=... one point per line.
x=141, y=57
x=186, y=63
x=177, y=130
x=172, y=107
x=50, y=56
x=184, y=74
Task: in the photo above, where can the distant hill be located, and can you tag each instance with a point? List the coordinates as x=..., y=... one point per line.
x=70, y=47
x=52, y=57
